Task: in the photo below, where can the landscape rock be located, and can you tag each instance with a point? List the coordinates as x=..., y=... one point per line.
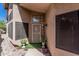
x=9, y=50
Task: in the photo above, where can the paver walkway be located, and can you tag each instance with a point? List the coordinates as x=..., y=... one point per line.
x=34, y=52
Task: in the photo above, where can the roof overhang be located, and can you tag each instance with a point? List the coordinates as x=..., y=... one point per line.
x=5, y=5
x=38, y=7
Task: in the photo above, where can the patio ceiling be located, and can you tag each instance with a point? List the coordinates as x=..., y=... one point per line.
x=39, y=7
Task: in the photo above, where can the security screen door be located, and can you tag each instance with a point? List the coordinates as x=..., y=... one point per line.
x=36, y=33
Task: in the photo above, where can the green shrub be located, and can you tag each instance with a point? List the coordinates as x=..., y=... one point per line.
x=24, y=42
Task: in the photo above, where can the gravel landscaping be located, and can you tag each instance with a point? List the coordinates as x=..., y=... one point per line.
x=0, y=45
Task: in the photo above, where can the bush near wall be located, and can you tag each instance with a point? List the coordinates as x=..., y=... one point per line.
x=2, y=25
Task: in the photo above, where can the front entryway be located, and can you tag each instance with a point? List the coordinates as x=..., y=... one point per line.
x=36, y=33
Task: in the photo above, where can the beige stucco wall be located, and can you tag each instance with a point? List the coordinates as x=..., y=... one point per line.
x=51, y=28
x=50, y=17
x=20, y=14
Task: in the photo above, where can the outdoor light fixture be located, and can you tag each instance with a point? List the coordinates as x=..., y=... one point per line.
x=45, y=26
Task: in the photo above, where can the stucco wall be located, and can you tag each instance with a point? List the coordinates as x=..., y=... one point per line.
x=50, y=17
x=20, y=14
x=51, y=28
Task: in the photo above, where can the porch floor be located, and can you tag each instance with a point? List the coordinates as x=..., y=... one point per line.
x=36, y=52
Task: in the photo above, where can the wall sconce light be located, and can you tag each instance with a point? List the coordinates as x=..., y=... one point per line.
x=44, y=26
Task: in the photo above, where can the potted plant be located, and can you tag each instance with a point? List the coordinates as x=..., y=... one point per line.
x=43, y=42
x=24, y=42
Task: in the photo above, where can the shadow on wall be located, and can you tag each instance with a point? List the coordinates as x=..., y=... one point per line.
x=21, y=26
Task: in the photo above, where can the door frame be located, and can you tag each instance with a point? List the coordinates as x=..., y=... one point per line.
x=35, y=33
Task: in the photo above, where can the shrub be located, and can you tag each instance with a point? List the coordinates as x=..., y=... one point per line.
x=24, y=42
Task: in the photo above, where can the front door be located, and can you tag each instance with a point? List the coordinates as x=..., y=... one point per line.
x=36, y=33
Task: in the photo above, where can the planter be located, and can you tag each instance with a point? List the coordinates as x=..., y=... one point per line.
x=43, y=44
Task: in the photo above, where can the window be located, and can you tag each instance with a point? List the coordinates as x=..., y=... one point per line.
x=21, y=30
x=67, y=31
x=10, y=30
x=10, y=16
x=10, y=5
x=37, y=19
